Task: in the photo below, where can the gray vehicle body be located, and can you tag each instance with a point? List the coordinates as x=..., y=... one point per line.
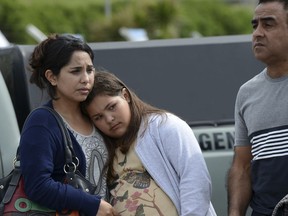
x=197, y=79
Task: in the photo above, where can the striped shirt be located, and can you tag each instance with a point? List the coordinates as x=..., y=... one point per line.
x=261, y=121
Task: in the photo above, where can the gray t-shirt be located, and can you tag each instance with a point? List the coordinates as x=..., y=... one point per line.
x=261, y=120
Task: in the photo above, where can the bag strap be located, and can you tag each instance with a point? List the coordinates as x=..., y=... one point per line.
x=12, y=185
x=72, y=161
x=16, y=175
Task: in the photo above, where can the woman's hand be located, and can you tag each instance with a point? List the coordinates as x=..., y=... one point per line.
x=105, y=209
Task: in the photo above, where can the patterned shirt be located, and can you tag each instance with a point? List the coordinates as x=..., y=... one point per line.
x=96, y=155
x=135, y=192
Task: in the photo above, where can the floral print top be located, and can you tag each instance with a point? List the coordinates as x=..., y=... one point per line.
x=135, y=192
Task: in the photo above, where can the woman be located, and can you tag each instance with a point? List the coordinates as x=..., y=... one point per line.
x=155, y=164
x=64, y=66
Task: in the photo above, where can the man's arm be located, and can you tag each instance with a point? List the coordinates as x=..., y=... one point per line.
x=239, y=182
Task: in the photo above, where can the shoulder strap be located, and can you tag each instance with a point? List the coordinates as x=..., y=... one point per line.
x=16, y=175
x=12, y=185
x=69, y=151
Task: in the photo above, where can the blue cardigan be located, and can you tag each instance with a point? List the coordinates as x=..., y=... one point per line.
x=42, y=160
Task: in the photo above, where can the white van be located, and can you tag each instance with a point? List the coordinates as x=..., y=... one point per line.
x=9, y=130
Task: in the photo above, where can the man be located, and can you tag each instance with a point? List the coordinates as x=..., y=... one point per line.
x=259, y=173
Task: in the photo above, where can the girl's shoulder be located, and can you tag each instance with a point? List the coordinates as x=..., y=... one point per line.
x=166, y=120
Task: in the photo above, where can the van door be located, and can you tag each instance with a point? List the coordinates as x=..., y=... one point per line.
x=9, y=130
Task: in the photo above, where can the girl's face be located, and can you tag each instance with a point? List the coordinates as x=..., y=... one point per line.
x=75, y=79
x=111, y=114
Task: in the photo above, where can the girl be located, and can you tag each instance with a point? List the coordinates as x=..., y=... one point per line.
x=155, y=164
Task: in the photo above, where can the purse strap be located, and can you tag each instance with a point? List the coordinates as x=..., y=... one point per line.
x=12, y=185
x=72, y=161
x=16, y=175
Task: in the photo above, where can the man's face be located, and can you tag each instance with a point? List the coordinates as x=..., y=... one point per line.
x=270, y=33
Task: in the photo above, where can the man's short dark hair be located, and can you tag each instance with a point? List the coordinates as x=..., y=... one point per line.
x=284, y=2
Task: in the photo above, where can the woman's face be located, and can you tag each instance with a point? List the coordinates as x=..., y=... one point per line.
x=75, y=79
x=111, y=114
